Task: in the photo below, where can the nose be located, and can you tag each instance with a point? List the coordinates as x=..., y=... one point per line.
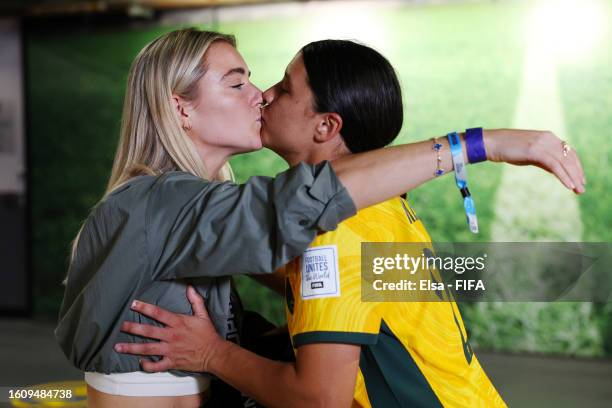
x=257, y=98
x=268, y=96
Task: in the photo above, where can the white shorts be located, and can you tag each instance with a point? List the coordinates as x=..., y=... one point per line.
x=141, y=384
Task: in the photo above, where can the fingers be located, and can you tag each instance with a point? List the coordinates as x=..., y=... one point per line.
x=145, y=330
x=164, y=364
x=572, y=167
x=147, y=349
x=570, y=162
x=156, y=313
x=554, y=166
x=141, y=349
x=579, y=165
x=563, y=162
x=197, y=302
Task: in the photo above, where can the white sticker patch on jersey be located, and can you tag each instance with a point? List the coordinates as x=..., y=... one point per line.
x=320, y=274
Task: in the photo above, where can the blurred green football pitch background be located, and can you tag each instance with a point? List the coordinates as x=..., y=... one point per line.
x=460, y=66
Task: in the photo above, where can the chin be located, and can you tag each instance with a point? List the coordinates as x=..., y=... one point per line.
x=257, y=143
x=253, y=147
x=267, y=141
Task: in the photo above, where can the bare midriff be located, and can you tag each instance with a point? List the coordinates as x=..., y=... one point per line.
x=98, y=399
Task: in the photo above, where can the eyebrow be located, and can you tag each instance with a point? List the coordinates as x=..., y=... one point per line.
x=232, y=71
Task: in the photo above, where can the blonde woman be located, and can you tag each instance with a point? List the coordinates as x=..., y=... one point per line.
x=171, y=215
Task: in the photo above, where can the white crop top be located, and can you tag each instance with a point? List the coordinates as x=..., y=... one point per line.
x=142, y=384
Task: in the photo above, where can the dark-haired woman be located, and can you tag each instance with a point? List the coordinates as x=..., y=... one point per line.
x=338, y=99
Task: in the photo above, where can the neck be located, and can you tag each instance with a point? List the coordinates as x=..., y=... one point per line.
x=213, y=157
x=318, y=155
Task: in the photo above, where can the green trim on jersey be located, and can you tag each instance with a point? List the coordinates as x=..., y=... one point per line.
x=334, y=337
x=391, y=376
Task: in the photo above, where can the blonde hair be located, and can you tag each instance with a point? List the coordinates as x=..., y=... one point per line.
x=152, y=140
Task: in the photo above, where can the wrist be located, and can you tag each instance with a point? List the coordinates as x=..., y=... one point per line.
x=213, y=360
x=464, y=151
x=490, y=138
x=474, y=144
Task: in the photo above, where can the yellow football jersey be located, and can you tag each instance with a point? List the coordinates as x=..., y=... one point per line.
x=413, y=354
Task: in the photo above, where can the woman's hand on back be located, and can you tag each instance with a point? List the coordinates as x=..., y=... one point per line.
x=185, y=343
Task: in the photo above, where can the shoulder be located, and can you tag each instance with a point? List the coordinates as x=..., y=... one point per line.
x=171, y=186
x=375, y=223
x=393, y=209
x=161, y=191
x=180, y=185
x=169, y=179
x=178, y=180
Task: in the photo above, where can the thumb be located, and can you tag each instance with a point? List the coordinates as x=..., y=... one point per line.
x=197, y=303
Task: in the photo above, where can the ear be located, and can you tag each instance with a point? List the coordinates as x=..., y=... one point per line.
x=181, y=110
x=328, y=127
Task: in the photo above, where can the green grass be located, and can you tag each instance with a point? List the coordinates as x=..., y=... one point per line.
x=460, y=66
x=586, y=94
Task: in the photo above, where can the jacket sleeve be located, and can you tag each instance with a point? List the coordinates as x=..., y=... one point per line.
x=200, y=228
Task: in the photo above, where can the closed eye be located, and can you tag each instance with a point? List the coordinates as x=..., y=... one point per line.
x=239, y=86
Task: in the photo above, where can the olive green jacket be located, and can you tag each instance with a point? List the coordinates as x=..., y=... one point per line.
x=150, y=237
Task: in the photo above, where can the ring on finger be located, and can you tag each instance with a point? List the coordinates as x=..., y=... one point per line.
x=566, y=148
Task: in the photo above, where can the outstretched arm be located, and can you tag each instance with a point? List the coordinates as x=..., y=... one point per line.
x=380, y=174
x=277, y=218
x=375, y=176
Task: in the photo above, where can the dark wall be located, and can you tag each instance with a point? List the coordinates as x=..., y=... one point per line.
x=74, y=91
x=14, y=287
